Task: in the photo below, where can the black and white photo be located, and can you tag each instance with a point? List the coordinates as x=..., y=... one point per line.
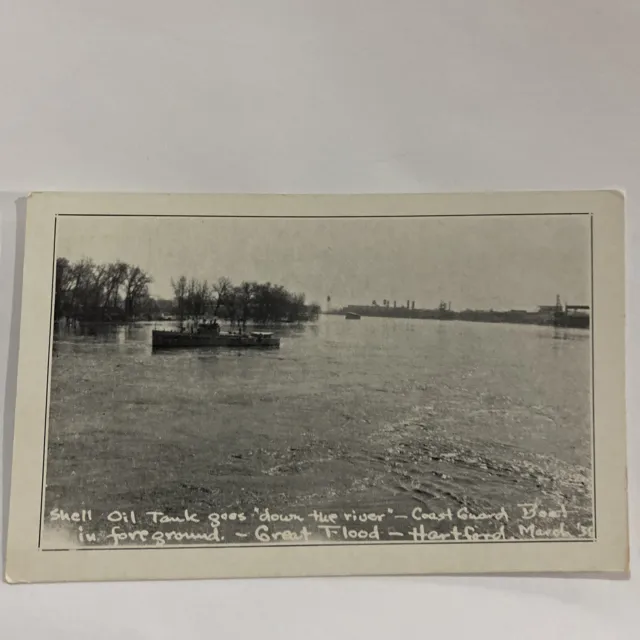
x=230, y=380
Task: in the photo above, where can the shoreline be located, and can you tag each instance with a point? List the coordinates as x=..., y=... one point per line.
x=456, y=318
x=486, y=317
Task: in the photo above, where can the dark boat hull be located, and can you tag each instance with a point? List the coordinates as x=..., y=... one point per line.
x=175, y=340
x=571, y=321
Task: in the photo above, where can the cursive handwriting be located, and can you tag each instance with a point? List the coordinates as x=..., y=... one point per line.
x=524, y=521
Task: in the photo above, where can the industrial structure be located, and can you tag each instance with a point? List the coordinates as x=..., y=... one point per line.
x=575, y=316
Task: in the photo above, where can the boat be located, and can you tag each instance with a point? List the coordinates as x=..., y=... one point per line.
x=352, y=316
x=208, y=338
x=571, y=321
x=574, y=316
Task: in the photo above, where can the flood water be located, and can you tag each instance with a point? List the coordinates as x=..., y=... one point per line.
x=351, y=413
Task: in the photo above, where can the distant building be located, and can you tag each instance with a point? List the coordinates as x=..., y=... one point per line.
x=547, y=308
x=578, y=307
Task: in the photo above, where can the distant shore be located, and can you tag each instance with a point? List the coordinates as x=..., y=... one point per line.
x=62, y=324
x=494, y=317
x=562, y=320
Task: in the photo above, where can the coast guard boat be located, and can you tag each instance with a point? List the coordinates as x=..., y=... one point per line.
x=209, y=335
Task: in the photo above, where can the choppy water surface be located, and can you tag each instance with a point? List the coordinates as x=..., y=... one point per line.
x=348, y=413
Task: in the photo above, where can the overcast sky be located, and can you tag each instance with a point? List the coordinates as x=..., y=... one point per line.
x=472, y=262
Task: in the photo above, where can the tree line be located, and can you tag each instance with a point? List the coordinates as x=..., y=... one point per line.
x=261, y=303
x=87, y=291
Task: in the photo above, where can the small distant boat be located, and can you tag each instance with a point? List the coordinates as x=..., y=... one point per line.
x=352, y=316
x=203, y=337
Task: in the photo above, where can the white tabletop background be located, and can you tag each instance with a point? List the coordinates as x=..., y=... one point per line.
x=322, y=96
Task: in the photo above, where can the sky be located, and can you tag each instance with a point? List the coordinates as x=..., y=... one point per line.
x=479, y=262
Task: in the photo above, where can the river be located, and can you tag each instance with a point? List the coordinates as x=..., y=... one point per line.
x=359, y=414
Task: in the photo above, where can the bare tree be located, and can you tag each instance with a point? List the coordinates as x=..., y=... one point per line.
x=136, y=290
x=180, y=294
x=87, y=291
x=116, y=278
x=63, y=288
x=249, y=301
x=220, y=292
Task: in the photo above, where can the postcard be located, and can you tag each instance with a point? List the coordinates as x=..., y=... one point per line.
x=218, y=386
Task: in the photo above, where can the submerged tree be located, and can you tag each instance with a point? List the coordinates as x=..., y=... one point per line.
x=220, y=293
x=87, y=291
x=256, y=302
x=179, y=287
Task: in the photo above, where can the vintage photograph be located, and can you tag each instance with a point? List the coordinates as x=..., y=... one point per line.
x=265, y=380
